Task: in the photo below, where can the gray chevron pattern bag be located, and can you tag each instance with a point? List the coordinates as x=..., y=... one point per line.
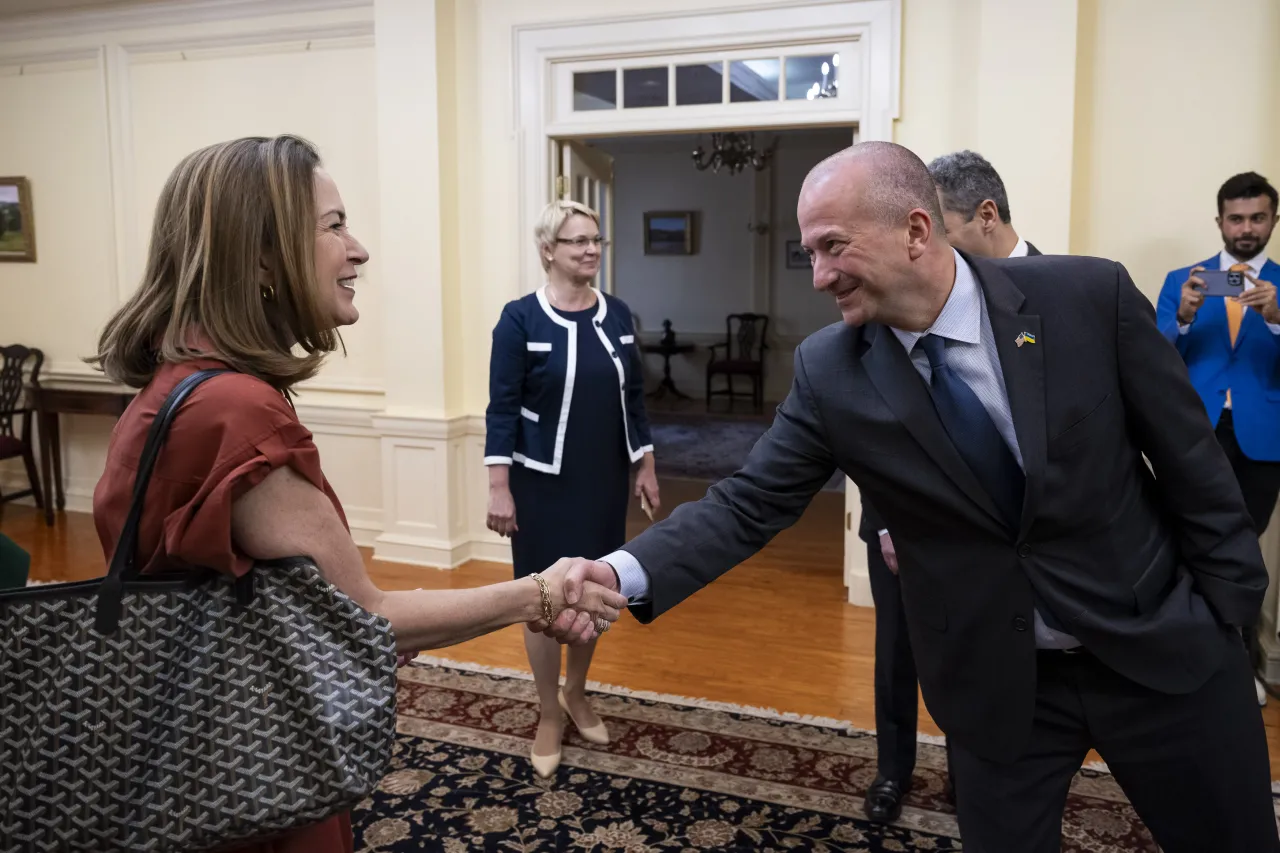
x=186, y=711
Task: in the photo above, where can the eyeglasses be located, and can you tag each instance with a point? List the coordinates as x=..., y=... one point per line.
x=582, y=242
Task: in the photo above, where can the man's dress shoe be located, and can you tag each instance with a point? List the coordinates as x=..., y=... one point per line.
x=884, y=800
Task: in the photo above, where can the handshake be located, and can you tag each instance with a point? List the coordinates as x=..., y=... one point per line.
x=583, y=600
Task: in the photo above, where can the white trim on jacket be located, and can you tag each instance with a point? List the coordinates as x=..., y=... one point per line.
x=570, y=374
x=633, y=455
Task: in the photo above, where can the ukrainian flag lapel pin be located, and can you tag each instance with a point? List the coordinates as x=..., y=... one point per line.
x=1025, y=338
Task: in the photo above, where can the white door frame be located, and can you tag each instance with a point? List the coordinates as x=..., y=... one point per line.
x=876, y=25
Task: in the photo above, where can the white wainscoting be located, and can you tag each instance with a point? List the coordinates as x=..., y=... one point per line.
x=435, y=492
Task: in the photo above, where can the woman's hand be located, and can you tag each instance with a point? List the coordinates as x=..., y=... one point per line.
x=598, y=600
x=502, y=511
x=647, y=482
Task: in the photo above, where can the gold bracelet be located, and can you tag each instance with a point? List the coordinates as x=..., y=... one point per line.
x=547, y=615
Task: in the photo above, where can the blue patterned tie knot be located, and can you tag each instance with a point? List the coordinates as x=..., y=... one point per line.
x=974, y=434
x=935, y=349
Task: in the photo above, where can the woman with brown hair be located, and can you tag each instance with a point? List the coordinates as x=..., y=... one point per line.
x=251, y=266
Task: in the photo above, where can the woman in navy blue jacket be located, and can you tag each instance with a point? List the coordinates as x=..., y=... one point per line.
x=565, y=424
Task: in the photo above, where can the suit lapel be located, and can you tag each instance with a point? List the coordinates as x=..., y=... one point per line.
x=1252, y=322
x=891, y=371
x=1022, y=369
x=1270, y=273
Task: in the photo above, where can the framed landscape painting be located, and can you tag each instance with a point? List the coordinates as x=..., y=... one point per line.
x=668, y=233
x=17, y=222
x=797, y=257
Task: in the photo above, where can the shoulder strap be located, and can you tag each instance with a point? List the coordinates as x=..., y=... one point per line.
x=124, y=562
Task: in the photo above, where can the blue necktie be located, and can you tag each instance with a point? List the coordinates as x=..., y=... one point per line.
x=974, y=434
x=981, y=445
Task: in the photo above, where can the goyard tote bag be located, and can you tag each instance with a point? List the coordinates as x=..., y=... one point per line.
x=186, y=711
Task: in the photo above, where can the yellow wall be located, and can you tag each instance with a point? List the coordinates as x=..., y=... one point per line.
x=97, y=156
x=55, y=138
x=1177, y=97
x=998, y=77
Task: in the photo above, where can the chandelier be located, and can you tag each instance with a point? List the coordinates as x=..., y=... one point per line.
x=733, y=151
x=829, y=87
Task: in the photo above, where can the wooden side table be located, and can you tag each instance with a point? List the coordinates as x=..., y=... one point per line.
x=49, y=404
x=666, y=352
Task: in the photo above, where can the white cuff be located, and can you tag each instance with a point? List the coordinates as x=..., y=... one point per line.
x=497, y=460
x=1182, y=330
x=882, y=532
x=648, y=448
x=1274, y=328
x=633, y=580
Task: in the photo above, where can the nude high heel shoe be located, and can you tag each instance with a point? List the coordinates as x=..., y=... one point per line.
x=596, y=734
x=545, y=765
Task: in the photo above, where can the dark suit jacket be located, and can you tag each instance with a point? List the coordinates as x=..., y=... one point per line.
x=870, y=524
x=1147, y=566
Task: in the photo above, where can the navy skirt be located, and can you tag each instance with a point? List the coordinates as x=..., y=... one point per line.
x=582, y=511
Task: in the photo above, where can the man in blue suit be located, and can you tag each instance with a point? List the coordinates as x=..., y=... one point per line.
x=1232, y=344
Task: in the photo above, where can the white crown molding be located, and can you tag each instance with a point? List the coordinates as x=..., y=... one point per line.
x=173, y=12
x=321, y=36
x=50, y=57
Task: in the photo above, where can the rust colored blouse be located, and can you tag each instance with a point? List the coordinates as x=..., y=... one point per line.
x=229, y=434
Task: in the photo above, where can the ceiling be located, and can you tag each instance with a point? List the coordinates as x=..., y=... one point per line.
x=15, y=8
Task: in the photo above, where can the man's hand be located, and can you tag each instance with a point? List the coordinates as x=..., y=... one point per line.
x=571, y=626
x=1192, y=297
x=1261, y=298
x=886, y=551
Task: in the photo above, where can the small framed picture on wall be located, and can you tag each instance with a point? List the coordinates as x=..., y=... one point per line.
x=668, y=233
x=797, y=257
x=17, y=221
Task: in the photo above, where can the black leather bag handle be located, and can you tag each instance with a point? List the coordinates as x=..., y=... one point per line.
x=124, y=562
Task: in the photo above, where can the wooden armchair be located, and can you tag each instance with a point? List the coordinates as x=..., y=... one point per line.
x=741, y=354
x=15, y=402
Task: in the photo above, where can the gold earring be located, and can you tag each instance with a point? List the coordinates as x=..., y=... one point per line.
x=268, y=293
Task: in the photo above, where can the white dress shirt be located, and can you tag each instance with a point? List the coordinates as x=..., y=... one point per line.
x=971, y=354
x=1019, y=251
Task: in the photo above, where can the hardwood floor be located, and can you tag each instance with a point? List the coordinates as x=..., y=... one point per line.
x=775, y=632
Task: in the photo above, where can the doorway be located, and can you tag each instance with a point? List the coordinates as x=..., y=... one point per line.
x=689, y=290
x=624, y=77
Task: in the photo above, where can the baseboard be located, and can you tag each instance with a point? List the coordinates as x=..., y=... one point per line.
x=421, y=551
x=79, y=496
x=485, y=550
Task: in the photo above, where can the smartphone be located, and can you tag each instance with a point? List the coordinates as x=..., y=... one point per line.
x=1222, y=282
x=644, y=505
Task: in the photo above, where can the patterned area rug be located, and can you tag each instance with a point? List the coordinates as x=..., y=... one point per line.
x=709, y=448
x=679, y=775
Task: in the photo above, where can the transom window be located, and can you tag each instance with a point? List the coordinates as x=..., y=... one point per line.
x=807, y=78
x=736, y=81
